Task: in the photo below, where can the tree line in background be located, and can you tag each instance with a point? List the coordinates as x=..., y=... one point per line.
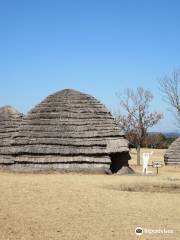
x=154, y=140
x=136, y=118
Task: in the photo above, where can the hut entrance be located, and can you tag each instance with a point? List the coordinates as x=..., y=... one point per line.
x=118, y=160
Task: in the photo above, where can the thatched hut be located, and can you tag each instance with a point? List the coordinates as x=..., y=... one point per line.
x=70, y=130
x=10, y=120
x=172, y=155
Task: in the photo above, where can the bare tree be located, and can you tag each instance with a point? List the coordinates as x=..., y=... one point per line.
x=137, y=118
x=170, y=87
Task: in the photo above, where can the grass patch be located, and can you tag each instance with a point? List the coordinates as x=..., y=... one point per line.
x=147, y=187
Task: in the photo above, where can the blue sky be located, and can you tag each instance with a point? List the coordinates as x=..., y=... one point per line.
x=96, y=46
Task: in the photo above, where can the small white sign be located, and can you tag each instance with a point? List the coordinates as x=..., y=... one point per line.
x=157, y=164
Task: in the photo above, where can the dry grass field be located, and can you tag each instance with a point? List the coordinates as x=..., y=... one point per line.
x=95, y=207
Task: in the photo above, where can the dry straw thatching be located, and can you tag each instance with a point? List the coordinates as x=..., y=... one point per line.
x=70, y=130
x=172, y=155
x=10, y=120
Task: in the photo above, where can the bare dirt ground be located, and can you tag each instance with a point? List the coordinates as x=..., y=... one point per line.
x=95, y=207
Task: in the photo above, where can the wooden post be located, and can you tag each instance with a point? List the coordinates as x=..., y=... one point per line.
x=138, y=155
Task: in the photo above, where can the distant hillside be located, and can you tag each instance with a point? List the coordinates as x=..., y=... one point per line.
x=171, y=134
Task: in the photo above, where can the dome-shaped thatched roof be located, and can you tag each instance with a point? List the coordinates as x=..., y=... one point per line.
x=10, y=120
x=172, y=155
x=69, y=127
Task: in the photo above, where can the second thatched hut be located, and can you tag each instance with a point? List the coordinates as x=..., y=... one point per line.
x=172, y=155
x=10, y=120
